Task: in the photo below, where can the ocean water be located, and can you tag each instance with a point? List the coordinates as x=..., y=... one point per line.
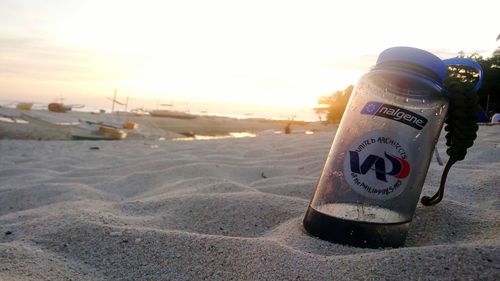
x=212, y=109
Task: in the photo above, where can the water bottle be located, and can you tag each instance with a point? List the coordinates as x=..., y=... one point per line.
x=372, y=179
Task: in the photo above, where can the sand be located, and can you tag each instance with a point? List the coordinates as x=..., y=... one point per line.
x=228, y=209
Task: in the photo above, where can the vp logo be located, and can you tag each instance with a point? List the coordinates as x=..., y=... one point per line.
x=400, y=167
x=377, y=165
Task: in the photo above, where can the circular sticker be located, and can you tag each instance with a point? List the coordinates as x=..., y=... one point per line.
x=377, y=165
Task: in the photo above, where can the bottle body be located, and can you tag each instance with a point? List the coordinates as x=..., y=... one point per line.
x=372, y=179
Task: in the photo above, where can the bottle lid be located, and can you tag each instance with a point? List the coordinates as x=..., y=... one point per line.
x=414, y=56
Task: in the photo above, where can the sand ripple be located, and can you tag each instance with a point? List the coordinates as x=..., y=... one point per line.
x=222, y=210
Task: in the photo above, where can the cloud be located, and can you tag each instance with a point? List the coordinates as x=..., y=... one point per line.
x=356, y=63
x=32, y=58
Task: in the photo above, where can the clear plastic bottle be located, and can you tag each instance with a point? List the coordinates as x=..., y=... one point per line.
x=375, y=170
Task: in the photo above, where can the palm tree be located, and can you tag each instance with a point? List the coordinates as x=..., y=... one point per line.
x=497, y=51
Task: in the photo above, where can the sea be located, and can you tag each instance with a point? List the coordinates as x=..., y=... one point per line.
x=210, y=109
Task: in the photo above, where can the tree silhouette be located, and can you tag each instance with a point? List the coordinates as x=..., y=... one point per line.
x=333, y=106
x=488, y=96
x=496, y=53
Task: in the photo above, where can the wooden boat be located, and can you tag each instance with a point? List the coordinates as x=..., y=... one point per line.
x=58, y=107
x=89, y=130
x=172, y=114
x=89, y=137
x=140, y=112
x=112, y=132
x=24, y=106
x=12, y=119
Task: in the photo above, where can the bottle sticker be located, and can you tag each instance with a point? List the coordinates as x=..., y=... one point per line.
x=395, y=113
x=378, y=165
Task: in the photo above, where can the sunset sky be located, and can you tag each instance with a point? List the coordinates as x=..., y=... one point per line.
x=255, y=52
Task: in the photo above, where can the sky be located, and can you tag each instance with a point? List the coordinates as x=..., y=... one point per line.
x=215, y=53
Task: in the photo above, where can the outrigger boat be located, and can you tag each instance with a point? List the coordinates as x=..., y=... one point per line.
x=24, y=106
x=89, y=130
x=172, y=114
x=60, y=107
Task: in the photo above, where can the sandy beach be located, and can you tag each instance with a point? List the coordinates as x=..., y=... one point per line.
x=228, y=209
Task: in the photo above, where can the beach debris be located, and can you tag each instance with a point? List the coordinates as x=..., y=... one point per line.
x=116, y=233
x=8, y=232
x=288, y=128
x=263, y=176
x=94, y=148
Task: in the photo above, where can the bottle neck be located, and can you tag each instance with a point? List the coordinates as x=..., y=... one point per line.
x=410, y=68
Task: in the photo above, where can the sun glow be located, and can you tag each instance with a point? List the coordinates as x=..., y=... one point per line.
x=282, y=53
x=201, y=52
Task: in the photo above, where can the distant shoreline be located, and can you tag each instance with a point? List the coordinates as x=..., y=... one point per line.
x=46, y=125
x=267, y=112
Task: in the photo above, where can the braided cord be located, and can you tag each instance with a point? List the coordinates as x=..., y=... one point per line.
x=461, y=127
